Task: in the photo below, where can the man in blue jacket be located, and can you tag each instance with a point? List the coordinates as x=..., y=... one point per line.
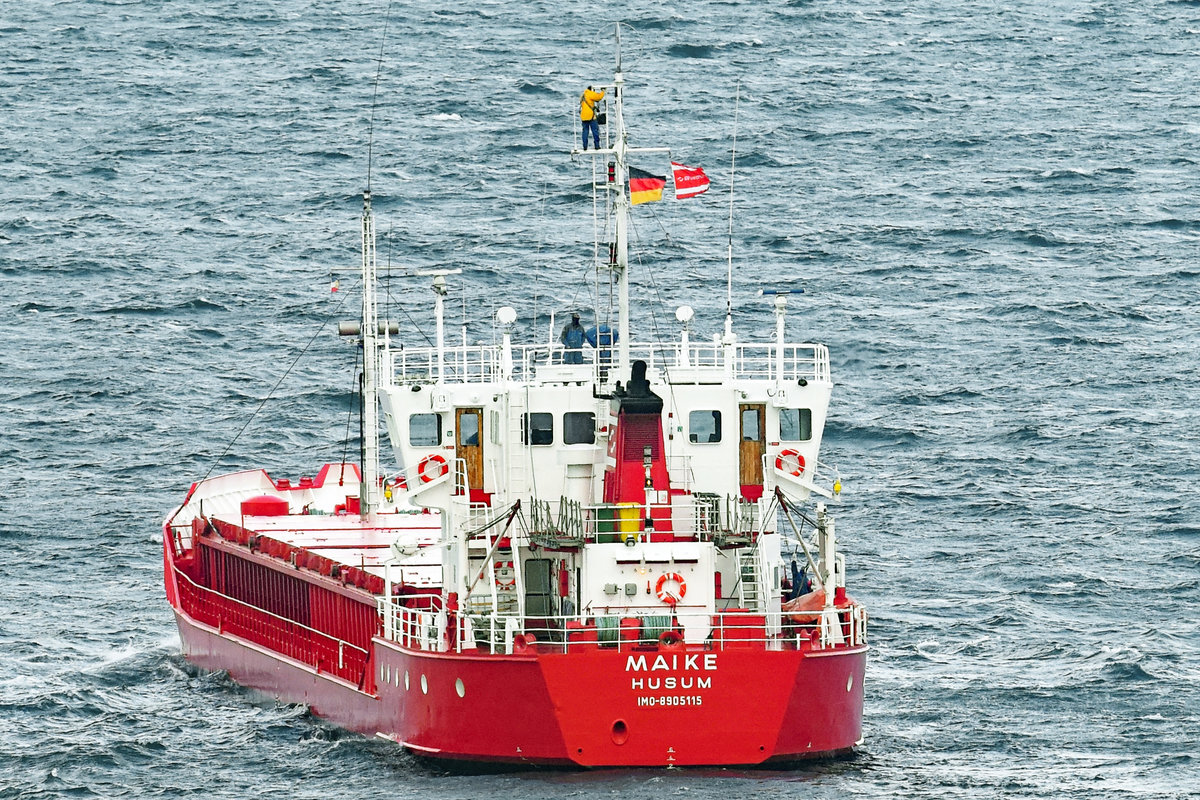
x=572, y=339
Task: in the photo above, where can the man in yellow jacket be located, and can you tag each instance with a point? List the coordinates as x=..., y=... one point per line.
x=587, y=114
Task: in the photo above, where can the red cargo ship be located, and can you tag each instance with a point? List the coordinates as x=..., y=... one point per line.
x=602, y=555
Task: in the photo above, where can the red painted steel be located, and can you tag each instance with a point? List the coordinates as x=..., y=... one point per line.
x=645, y=706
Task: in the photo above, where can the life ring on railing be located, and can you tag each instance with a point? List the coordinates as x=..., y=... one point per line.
x=505, y=584
x=423, y=469
x=668, y=597
x=794, y=456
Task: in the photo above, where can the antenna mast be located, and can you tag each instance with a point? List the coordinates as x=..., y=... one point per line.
x=369, y=491
x=619, y=197
x=729, y=265
x=620, y=150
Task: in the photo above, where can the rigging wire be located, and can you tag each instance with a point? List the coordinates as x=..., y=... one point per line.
x=274, y=388
x=355, y=380
x=375, y=95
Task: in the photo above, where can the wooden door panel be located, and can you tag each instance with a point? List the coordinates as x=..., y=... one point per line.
x=468, y=433
x=752, y=443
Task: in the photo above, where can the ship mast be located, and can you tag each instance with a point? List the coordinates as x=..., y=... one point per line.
x=369, y=490
x=621, y=150
x=621, y=215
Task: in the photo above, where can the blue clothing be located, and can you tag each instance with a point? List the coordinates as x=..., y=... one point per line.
x=595, y=127
x=572, y=339
x=602, y=339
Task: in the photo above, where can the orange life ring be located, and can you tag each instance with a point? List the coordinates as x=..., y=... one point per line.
x=792, y=454
x=508, y=584
x=423, y=467
x=667, y=597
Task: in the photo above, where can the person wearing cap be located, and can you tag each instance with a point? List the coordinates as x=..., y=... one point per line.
x=572, y=339
x=587, y=115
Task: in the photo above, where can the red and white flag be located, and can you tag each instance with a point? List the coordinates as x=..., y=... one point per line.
x=689, y=181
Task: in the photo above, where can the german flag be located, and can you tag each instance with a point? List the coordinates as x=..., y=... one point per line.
x=644, y=187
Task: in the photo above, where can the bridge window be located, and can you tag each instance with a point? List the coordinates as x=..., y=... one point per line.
x=425, y=430
x=579, y=427
x=537, y=428
x=795, y=424
x=704, y=427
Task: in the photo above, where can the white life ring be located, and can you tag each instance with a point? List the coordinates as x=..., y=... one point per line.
x=665, y=595
x=794, y=456
x=423, y=469
x=505, y=584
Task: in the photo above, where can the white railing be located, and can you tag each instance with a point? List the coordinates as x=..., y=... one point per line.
x=482, y=363
x=705, y=517
x=621, y=629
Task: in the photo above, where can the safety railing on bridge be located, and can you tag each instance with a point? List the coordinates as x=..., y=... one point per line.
x=486, y=364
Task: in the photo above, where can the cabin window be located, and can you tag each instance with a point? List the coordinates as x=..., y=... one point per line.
x=750, y=419
x=795, y=424
x=537, y=428
x=425, y=430
x=704, y=427
x=579, y=427
x=468, y=428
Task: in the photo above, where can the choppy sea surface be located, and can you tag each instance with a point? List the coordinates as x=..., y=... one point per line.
x=992, y=211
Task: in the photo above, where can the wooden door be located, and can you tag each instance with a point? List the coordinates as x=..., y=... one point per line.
x=752, y=443
x=468, y=433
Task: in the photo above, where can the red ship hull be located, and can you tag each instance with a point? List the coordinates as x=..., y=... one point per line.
x=737, y=706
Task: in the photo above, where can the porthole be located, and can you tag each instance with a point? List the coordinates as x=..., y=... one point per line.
x=850, y=681
x=406, y=680
x=460, y=688
x=424, y=685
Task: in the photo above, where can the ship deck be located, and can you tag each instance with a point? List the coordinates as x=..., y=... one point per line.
x=343, y=538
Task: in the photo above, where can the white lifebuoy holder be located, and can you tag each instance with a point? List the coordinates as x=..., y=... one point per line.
x=427, y=473
x=787, y=458
x=664, y=594
x=505, y=584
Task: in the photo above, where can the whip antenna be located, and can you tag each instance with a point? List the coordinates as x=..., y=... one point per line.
x=729, y=268
x=375, y=96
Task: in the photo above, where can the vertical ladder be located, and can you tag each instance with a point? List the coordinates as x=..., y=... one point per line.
x=749, y=589
x=517, y=453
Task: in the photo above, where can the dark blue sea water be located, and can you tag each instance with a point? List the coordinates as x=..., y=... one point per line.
x=993, y=211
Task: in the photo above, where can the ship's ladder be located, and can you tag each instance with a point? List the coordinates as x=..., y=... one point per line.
x=517, y=473
x=749, y=585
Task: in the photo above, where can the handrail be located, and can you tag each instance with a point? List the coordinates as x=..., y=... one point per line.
x=707, y=518
x=618, y=628
x=484, y=363
x=281, y=638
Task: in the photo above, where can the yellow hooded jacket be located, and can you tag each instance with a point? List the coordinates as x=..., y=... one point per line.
x=587, y=104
